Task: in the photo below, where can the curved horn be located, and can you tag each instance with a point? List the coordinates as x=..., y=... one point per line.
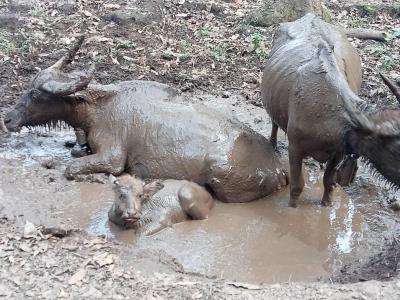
x=365, y=123
x=53, y=80
x=393, y=86
x=66, y=60
x=72, y=52
x=66, y=84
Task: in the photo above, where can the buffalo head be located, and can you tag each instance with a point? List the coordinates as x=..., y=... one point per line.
x=49, y=91
x=376, y=137
x=130, y=193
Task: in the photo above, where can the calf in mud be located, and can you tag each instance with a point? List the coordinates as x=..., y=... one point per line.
x=149, y=208
x=309, y=89
x=151, y=130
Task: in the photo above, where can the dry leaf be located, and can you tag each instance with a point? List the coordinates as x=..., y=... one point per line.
x=197, y=295
x=188, y=282
x=104, y=259
x=25, y=247
x=87, y=14
x=112, y=6
x=77, y=277
x=29, y=228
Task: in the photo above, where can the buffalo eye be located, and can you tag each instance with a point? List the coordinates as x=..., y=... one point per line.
x=34, y=94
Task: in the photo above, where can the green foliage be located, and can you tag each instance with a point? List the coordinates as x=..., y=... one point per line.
x=218, y=52
x=387, y=59
x=367, y=10
x=243, y=28
x=256, y=40
x=27, y=41
x=257, y=44
x=186, y=45
x=395, y=34
x=5, y=43
x=204, y=32
x=125, y=44
x=377, y=51
x=390, y=62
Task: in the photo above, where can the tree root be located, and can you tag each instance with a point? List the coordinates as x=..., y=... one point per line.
x=393, y=86
x=366, y=34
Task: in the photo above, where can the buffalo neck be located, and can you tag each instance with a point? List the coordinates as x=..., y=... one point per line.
x=73, y=112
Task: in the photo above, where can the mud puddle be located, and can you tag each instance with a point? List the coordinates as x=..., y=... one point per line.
x=262, y=241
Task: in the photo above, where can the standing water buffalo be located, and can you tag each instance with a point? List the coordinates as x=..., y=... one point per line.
x=149, y=208
x=309, y=89
x=148, y=129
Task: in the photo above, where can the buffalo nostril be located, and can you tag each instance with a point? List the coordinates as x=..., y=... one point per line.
x=6, y=121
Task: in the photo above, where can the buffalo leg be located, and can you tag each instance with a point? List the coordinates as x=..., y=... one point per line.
x=296, y=175
x=347, y=172
x=97, y=163
x=330, y=180
x=195, y=201
x=274, y=132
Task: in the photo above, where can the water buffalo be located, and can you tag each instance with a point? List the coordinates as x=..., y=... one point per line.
x=149, y=208
x=149, y=129
x=309, y=88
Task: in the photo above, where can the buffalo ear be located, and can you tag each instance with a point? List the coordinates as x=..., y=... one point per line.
x=153, y=187
x=359, y=122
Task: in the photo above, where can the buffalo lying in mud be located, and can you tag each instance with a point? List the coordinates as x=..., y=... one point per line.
x=309, y=89
x=148, y=129
x=149, y=208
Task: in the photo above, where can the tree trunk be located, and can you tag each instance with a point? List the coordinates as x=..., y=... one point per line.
x=278, y=11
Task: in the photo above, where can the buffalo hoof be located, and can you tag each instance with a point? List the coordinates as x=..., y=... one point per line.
x=80, y=151
x=326, y=202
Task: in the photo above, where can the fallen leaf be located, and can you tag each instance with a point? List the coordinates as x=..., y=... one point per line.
x=87, y=13
x=128, y=58
x=29, y=228
x=187, y=282
x=25, y=247
x=112, y=6
x=77, y=277
x=197, y=295
x=62, y=294
x=104, y=259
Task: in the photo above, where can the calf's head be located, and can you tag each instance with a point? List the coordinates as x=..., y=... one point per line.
x=376, y=137
x=130, y=193
x=48, y=98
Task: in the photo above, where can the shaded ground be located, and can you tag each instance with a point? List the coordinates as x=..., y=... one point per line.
x=203, y=46
x=195, y=47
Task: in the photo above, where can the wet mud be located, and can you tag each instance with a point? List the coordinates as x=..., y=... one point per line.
x=261, y=241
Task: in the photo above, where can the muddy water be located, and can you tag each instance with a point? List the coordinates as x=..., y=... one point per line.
x=265, y=241
x=262, y=241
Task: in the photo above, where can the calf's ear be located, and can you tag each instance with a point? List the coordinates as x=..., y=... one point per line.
x=153, y=187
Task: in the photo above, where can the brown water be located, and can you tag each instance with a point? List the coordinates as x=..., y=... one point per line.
x=262, y=241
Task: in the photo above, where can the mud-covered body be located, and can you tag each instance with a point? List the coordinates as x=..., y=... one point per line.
x=152, y=132
x=309, y=88
x=300, y=87
x=148, y=129
x=177, y=201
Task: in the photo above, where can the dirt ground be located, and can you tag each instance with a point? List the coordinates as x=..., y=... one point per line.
x=41, y=266
x=200, y=47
